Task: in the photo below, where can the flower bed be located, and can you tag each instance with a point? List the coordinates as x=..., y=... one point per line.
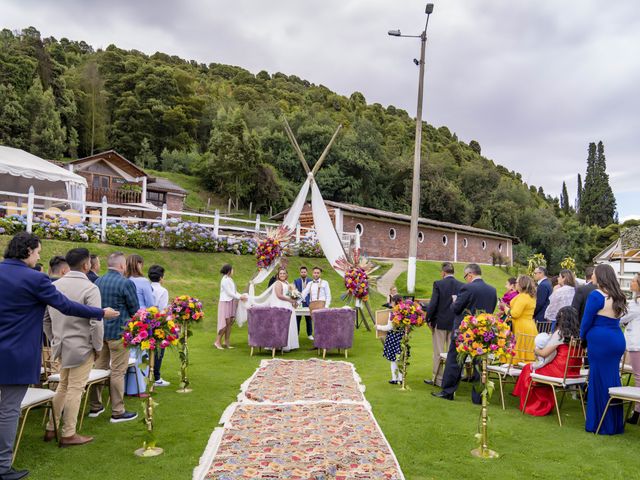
x=175, y=235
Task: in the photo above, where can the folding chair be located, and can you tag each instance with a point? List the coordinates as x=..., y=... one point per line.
x=626, y=369
x=544, y=327
x=576, y=355
x=625, y=395
x=508, y=372
x=35, y=397
x=96, y=376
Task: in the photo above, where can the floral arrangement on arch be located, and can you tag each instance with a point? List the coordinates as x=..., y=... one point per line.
x=356, y=275
x=151, y=329
x=485, y=334
x=271, y=247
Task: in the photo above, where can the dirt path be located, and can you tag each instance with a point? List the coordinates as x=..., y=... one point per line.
x=384, y=283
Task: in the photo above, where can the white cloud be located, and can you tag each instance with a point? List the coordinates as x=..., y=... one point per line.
x=533, y=82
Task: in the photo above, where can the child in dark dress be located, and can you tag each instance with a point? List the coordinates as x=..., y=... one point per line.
x=392, y=346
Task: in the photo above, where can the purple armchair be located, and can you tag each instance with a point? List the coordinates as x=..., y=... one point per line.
x=333, y=328
x=268, y=327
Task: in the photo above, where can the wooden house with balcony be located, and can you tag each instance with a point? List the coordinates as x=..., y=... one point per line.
x=122, y=182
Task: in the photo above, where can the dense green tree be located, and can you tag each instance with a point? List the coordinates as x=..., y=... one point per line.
x=14, y=123
x=579, y=194
x=145, y=157
x=597, y=202
x=230, y=166
x=47, y=137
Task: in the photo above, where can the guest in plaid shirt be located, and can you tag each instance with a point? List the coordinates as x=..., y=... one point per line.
x=115, y=290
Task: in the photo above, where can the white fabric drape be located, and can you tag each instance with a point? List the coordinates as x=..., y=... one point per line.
x=77, y=194
x=325, y=231
x=291, y=221
x=262, y=300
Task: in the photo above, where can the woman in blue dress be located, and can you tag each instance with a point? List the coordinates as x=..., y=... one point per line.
x=605, y=347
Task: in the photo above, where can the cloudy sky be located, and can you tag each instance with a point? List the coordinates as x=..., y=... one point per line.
x=533, y=81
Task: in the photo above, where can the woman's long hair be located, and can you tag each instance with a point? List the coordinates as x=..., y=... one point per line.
x=134, y=266
x=608, y=283
x=568, y=323
x=526, y=285
x=568, y=277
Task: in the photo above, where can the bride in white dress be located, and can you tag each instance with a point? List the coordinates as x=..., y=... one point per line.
x=279, y=298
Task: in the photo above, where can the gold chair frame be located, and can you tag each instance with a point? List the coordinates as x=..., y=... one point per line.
x=575, y=352
x=623, y=399
x=24, y=413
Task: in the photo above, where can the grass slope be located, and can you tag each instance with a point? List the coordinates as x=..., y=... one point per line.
x=431, y=437
x=428, y=272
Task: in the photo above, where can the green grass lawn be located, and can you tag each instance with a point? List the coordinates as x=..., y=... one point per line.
x=431, y=437
x=428, y=272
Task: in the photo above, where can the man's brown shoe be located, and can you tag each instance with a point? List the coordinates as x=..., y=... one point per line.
x=49, y=435
x=74, y=440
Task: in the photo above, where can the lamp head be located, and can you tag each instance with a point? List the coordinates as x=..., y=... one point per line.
x=416, y=61
x=394, y=33
x=429, y=9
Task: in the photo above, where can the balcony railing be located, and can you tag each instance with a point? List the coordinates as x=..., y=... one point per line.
x=95, y=194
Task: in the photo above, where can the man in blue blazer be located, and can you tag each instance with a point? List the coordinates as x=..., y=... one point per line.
x=474, y=297
x=543, y=292
x=300, y=284
x=25, y=295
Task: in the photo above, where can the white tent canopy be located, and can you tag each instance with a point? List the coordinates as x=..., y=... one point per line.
x=19, y=170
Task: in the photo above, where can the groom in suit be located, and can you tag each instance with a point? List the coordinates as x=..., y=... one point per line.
x=301, y=284
x=474, y=297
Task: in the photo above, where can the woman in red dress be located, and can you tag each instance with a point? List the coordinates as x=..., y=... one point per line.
x=540, y=400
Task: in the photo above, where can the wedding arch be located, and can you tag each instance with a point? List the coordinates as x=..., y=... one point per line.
x=325, y=231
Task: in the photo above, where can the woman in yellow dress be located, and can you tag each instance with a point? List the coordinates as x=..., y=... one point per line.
x=522, y=322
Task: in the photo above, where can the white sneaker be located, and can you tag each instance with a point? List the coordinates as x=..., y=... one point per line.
x=162, y=383
x=310, y=337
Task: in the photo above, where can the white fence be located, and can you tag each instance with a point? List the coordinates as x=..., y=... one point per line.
x=38, y=206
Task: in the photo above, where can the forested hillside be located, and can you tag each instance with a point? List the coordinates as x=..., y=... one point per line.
x=61, y=98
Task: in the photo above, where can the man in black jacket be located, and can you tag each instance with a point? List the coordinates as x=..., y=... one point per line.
x=474, y=297
x=440, y=316
x=582, y=292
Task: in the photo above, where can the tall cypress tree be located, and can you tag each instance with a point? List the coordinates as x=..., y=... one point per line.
x=579, y=194
x=597, y=202
x=607, y=213
x=564, y=199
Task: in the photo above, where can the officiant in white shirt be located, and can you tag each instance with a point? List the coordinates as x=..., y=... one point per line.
x=318, y=291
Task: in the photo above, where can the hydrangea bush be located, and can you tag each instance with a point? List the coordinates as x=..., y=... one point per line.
x=176, y=234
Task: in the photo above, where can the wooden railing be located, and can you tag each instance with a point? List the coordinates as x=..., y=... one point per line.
x=115, y=196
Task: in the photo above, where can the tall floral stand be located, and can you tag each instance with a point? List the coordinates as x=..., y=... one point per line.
x=404, y=357
x=483, y=451
x=184, y=359
x=149, y=448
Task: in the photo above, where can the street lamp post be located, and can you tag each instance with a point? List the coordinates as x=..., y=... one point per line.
x=415, y=191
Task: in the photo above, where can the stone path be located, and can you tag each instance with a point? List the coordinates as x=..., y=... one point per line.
x=384, y=283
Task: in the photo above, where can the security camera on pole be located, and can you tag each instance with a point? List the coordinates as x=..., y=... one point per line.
x=415, y=193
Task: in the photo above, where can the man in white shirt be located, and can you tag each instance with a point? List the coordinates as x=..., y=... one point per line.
x=318, y=291
x=160, y=300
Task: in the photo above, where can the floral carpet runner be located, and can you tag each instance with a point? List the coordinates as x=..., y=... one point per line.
x=283, y=381
x=299, y=419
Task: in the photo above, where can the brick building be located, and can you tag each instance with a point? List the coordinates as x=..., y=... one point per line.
x=386, y=234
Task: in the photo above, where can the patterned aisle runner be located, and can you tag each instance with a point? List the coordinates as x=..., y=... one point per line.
x=299, y=419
